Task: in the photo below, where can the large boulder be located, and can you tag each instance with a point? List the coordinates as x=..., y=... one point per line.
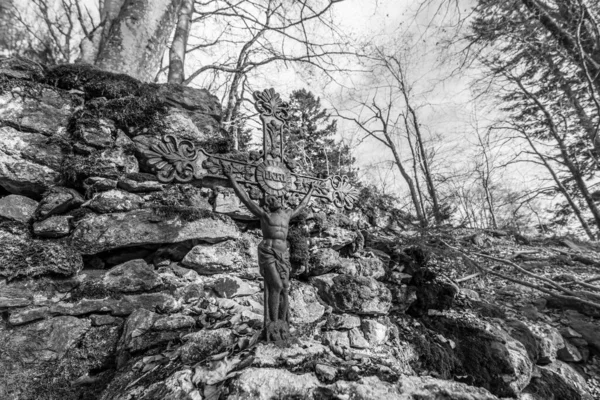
x=355, y=294
x=488, y=355
x=97, y=233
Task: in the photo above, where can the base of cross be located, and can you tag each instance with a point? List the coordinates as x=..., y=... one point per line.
x=276, y=331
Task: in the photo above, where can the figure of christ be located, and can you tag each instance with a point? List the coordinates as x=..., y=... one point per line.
x=273, y=257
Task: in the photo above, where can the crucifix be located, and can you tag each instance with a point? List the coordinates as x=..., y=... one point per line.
x=270, y=187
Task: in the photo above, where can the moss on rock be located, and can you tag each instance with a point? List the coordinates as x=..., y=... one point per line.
x=24, y=257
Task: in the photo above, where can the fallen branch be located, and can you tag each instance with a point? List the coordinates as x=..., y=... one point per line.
x=468, y=277
x=594, y=279
x=546, y=280
x=571, y=295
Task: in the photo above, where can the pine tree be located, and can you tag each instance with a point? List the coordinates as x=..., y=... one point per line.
x=312, y=140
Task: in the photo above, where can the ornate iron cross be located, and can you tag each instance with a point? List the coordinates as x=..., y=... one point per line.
x=178, y=160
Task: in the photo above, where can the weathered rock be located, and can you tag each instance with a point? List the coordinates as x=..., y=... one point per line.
x=101, y=320
x=17, y=208
x=232, y=286
x=190, y=293
x=371, y=266
x=403, y=296
x=46, y=340
x=95, y=184
x=357, y=339
x=305, y=307
x=21, y=68
x=11, y=297
x=30, y=315
x=588, y=330
x=150, y=301
x=177, y=122
x=132, y=276
x=355, y=294
x=335, y=237
x=97, y=233
x=549, y=341
x=226, y=202
x=138, y=185
x=54, y=227
x=58, y=200
x=46, y=111
x=408, y=388
x=557, y=381
x=271, y=355
x=336, y=339
x=323, y=261
x=114, y=201
x=488, y=354
x=569, y=353
x=218, y=258
x=375, y=332
x=269, y=383
x=201, y=344
x=342, y=321
x=98, y=133
x=200, y=105
x=136, y=326
x=174, y=322
x=28, y=162
x=326, y=373
x=21, y=256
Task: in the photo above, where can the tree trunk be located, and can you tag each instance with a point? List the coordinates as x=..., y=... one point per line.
x=425, y=163
x=137, y=38
x=90, y=45
x=562, y=189
x=415, y=170
x=177, y=51
x=408, y=179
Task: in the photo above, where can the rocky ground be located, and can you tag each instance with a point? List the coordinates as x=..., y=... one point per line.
x=114, y=286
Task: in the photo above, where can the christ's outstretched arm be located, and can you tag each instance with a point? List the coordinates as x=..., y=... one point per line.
x=252, y=206
x=304, y=201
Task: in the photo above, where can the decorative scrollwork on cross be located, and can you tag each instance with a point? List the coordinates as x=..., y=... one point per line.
x=173, y=159
x=343, y=193
x=269, y=103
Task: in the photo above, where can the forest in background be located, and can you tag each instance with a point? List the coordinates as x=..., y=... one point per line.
x=481, y=113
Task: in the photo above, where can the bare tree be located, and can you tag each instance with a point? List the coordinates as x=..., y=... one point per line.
x=247, y=36
x=381, y=125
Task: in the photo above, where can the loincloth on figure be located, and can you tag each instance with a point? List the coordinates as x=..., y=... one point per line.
x=268, y=255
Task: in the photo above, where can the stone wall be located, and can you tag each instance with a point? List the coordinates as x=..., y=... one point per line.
x=115, y=286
